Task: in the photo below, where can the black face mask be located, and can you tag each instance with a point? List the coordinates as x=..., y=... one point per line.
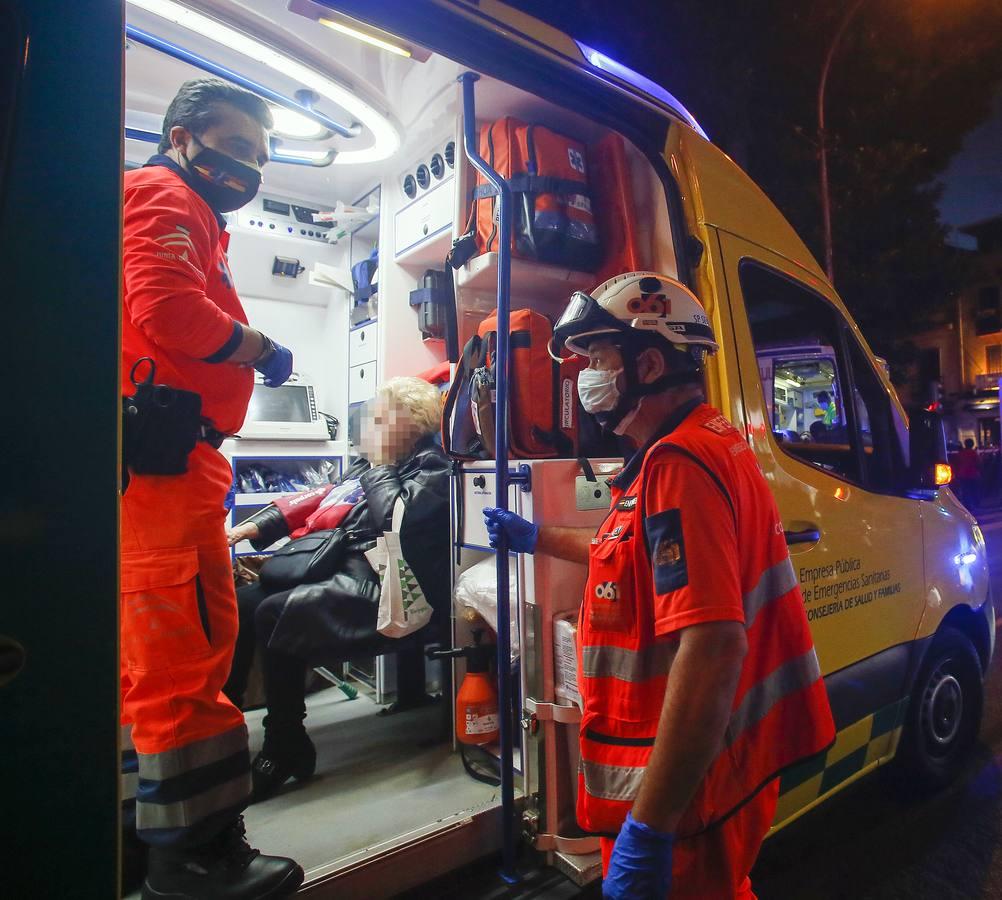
x=221, y=181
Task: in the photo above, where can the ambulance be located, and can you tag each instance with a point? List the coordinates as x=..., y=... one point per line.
x=376, y=162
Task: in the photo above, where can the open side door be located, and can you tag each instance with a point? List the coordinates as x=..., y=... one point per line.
x=60, y=214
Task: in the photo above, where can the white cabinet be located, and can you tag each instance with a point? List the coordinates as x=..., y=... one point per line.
x=361, y=383
x=429, y=216
x=362, y=344
x=475, y=493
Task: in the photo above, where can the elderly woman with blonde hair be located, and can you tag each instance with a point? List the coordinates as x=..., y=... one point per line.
x=294, y=626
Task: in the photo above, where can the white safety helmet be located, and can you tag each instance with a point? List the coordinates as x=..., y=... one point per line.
x=636, y=302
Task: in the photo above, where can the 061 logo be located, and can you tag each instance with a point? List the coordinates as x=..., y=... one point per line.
x=607, y=590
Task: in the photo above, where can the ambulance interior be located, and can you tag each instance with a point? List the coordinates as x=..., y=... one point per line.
x=397, y=186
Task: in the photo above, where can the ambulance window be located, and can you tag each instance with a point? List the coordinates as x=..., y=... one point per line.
x=882, y=456
x=798, y=341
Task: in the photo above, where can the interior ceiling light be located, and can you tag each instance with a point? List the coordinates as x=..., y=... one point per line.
x=360, y=35
x=304, y=155
x=386, y=137
x=296, y=126
x=315, y=158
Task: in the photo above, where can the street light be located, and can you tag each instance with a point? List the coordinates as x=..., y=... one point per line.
x=826, y=212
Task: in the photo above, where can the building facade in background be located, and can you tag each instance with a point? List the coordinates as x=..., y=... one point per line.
x=959, y=361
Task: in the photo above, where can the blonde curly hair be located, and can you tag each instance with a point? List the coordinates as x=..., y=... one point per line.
x=422, y=401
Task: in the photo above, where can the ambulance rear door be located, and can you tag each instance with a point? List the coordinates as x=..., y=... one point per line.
x=855, y=537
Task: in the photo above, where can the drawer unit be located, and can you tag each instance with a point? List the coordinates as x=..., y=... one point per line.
x=475, y=493
x=429, y=215
x=362, y=345
x=361, y=383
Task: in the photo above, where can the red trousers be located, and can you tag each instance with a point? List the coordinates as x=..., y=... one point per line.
x=716, y=865
x=178, y=630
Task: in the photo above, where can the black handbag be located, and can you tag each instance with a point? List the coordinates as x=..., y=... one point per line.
x=306, y=560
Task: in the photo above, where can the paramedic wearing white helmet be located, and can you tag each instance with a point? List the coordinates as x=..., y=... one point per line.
x=697, y=670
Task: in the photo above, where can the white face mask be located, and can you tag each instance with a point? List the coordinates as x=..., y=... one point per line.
x=597, y=389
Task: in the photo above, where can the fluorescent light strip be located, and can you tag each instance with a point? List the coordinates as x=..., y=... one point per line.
x=367, y=38
x=305, y=155
x=290, y=124
x=387, y=139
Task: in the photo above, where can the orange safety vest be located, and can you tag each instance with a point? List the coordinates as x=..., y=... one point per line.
x=638, y=597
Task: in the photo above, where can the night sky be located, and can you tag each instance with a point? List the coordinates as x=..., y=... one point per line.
x=973, y=182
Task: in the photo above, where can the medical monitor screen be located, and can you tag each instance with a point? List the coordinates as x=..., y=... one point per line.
x=288, y=403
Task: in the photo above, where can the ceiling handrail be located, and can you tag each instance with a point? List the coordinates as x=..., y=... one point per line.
x=187, y=56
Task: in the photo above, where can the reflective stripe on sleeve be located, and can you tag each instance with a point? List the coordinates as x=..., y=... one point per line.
x=776, y=582
x=605, y=661
x=794, y=675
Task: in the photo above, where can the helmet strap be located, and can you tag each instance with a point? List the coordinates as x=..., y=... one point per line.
x=635, y=391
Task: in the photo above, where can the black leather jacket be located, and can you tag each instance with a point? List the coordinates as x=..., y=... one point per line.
x=327, y=620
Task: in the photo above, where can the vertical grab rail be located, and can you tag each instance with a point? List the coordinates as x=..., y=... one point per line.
x=468, y=79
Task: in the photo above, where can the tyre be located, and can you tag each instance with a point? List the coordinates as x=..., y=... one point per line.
x=944, y=714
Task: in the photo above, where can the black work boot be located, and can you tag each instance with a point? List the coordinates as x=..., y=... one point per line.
x=226, y=868
x=286, y=754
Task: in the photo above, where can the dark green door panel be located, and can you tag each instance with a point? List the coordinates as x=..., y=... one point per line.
x=60, y=171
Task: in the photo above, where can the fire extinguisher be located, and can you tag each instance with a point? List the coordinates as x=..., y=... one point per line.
x=477, y=701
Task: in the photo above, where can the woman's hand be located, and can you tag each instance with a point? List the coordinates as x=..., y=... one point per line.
x=245, y=531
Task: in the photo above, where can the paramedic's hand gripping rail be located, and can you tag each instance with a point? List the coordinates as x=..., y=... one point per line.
x=502, y=478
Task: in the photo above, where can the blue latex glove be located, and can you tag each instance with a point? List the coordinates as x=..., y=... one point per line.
x=276, y=366
x=640, y=867
x=522, y=535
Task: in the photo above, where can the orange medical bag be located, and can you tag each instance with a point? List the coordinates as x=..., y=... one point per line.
x=553, y=219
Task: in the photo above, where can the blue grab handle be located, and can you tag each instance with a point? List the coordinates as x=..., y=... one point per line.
x=508, y=871
x=207, y=65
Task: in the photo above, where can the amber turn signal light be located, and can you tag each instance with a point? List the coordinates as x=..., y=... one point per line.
x=944, y=474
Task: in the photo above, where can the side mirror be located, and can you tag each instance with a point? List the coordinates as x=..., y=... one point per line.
x=929, y=464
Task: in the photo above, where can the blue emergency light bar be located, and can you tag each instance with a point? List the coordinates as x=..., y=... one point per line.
x=651, y=88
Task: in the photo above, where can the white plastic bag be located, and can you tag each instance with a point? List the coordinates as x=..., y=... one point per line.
x=403, y=607
x=477, y=588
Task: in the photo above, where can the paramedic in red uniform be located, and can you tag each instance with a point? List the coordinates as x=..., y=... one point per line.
x=178, y=610
x=698, y=674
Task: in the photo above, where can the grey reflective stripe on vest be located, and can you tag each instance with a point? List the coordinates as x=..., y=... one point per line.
x=193, y=809
x=794, y=675
x=170, y=763
x=611, y=782
x=776, y=582
x=605, y=661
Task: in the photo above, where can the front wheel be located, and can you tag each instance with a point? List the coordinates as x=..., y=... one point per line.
x=944, y=713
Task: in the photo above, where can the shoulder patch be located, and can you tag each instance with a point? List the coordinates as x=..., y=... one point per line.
x=718, y=425
x=626, y=504
x=667, y=550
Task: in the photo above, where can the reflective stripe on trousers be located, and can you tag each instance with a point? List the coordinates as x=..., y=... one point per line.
x=185, y=785
x=129, y=779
